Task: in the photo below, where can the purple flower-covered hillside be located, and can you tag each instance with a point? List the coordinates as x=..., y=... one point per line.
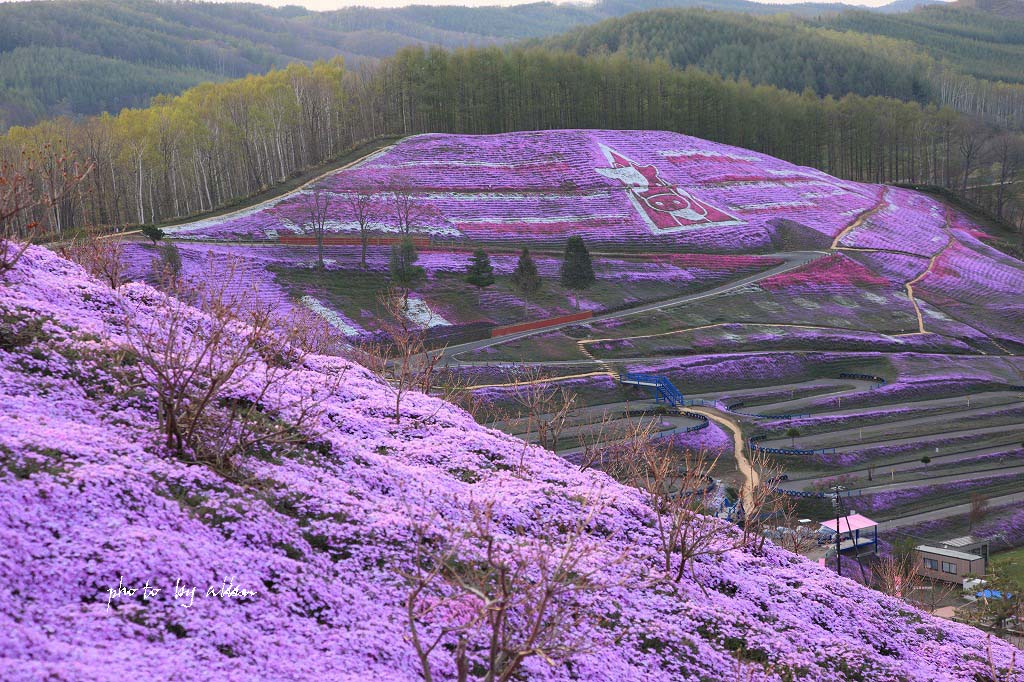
x=302, y=558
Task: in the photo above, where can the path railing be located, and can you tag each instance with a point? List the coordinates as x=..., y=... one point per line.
x=865, y=377
x=664, y=390
x=753, y=442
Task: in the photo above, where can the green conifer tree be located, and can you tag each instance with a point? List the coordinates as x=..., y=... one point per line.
x=577, y=271
x=525, y=279
x=480, y=272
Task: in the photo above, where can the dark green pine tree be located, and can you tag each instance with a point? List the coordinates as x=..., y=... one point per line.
x=404, y=272
x=577, y=271
x=525, y=279
x=152, y=232
x=480, y=272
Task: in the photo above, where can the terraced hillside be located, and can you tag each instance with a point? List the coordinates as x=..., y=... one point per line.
x=327, y=559
x=873, y=320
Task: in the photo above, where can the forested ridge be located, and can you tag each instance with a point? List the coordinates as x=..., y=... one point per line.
x=219, y=143
x=783, y=51
x=980, y=43
x=74, y=57
x=968, y=60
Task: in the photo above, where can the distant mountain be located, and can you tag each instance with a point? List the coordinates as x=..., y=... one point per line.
x=898, y=6
x=975, y=41
x=793, y=54
x=78, y=57
x=1013, y=9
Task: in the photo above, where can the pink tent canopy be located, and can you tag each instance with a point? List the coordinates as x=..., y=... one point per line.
x=850, y=523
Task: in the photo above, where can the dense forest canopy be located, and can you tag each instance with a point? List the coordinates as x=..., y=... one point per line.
x=784, y=52
x=935, y=55
x=978, y=43
x=75, y=57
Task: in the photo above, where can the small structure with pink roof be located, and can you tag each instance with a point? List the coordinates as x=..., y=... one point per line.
x=853, y=530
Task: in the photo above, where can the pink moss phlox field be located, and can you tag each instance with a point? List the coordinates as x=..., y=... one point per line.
x=835, y=272
x=90, y=500
x=548, y=185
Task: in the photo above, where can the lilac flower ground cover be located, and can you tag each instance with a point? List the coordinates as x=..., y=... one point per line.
x=611, y=187
x=88, y=497
x=1004, y=526
x=884, y=501
x=907, y=222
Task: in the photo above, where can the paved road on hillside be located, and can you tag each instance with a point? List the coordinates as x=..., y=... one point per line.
x=986, y=399
x=948, y=478
x=946, y=512
x=792, y=260
x=850, y=438
x=879, y=472
x=188, y=224
x=648, y=359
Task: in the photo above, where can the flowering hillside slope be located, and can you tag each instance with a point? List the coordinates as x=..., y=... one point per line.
x=611, y=187
x=93, y=501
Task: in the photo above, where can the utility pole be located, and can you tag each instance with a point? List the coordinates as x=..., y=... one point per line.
x=837, y=502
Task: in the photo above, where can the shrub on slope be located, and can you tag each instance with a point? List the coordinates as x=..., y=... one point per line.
x=90, y=500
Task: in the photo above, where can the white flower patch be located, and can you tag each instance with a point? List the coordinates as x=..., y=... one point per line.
x=935, y=314
x=825, y=195
x=553, y=220
x=874, y=298
x=441, y=230
x=420, y=313
x=710, y=154
x=422, y=163
x=773, y=204
x=337, y=321
x=806, y=303
x=790, y=173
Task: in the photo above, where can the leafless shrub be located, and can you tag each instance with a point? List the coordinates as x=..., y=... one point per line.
x=763, y=503
x=311, y=333
x=678, y=487
x=221, y=365
x=30, y=192
x=401, y=358
x=897, y=576
x=599, y=439
x=316, y=205
x=979, y=509
x=495, y=601
x=995, y=672
x=101, y=256
x=407, y=208
x=794, y=536
x=541, y=406
x=365, y=209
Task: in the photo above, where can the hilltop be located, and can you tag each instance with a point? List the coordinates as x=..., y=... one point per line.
x=92, y=56
x=92, y=496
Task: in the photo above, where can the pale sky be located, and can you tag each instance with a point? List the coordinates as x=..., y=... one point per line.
x=336, y=4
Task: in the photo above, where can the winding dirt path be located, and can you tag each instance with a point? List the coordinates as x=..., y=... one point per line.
x=860, y=219
x=910, y=285
x=750, y=476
